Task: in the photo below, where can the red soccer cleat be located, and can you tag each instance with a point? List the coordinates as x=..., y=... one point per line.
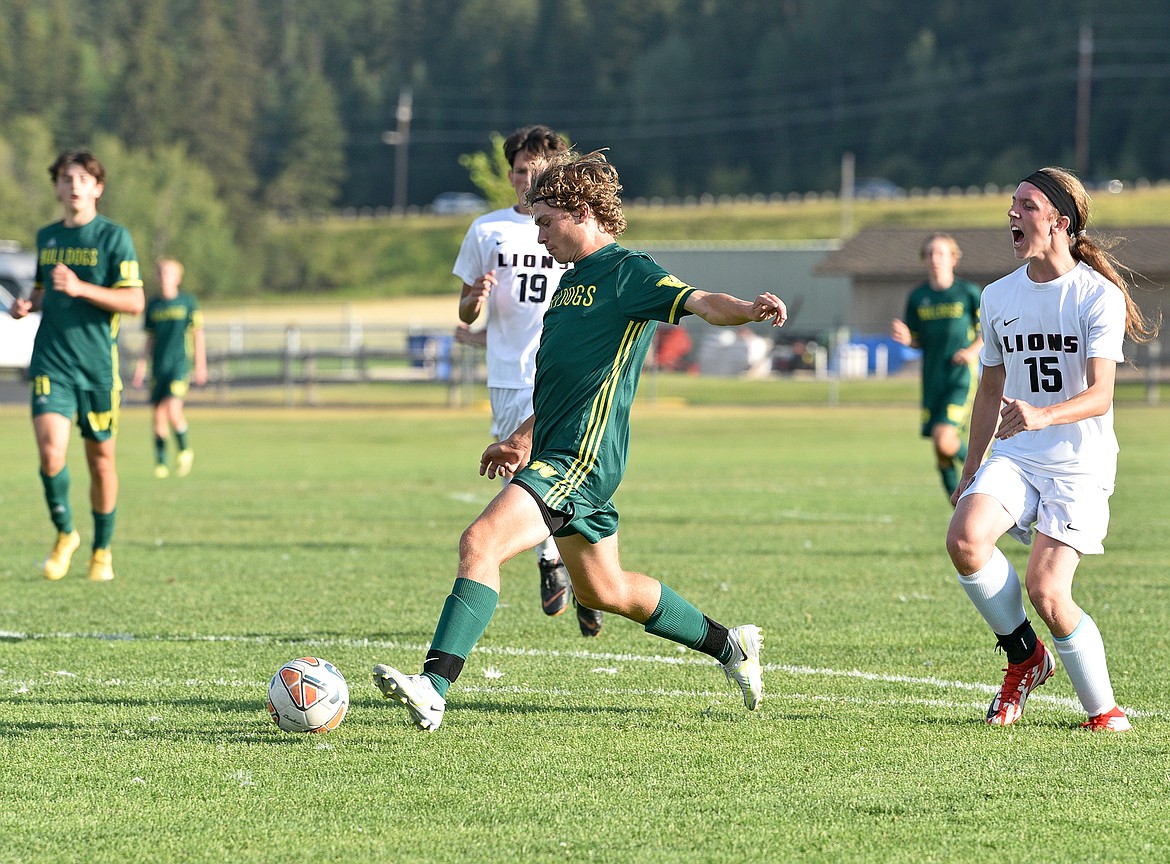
x=1113, y=720
x=1018, y=682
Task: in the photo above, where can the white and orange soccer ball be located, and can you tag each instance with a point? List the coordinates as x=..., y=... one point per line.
x=308, y=695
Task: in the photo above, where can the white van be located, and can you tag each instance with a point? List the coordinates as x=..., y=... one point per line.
x=18, y=271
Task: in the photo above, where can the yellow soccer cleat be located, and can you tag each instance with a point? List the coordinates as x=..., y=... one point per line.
x=161, y=472
x=101, y=565
x=184, y=462
x=57, y=564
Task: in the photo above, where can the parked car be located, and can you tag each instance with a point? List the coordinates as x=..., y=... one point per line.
x=448, y=203
x=17, y=274
x=877, y=189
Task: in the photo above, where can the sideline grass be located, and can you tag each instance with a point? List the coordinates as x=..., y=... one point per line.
x=132, y=725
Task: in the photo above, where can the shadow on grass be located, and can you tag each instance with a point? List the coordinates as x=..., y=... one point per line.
x=504, y=709
x=234, y=721
x=246, y=721
x=265, y=546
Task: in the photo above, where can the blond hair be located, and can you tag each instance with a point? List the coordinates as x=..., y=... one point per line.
x=946, y=238
x=175, y=261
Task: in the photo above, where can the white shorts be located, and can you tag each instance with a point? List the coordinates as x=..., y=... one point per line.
x=1073, y=510
x=510, y=408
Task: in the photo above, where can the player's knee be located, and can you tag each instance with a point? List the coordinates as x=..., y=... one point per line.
x=968, y=552
x=1048, y=601
x=102, y=468
x=52, y=462
x=480, y=544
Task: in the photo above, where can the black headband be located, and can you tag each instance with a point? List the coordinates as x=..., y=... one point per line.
x=1058, y=195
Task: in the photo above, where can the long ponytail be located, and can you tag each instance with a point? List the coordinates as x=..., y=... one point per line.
x=1095, y=253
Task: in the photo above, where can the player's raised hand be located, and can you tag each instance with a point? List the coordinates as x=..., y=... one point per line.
x=475, y=295
x=483, y=286
x=769, y=307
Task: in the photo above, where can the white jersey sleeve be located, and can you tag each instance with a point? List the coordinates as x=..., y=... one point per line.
x=504, y=242
x=1043, y=334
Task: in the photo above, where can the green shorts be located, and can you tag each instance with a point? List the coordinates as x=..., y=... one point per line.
x=950, y=413
x=168, y=388
x=947, y=400
x=96, y=411
x=574, y=514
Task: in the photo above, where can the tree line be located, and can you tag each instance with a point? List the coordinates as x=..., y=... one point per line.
x=221, y=112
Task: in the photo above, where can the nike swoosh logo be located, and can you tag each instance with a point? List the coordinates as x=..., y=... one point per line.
x=1069, y=527
x=1013, y=321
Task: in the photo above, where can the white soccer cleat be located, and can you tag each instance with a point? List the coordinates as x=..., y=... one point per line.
x=416, y=692
x=744, y=669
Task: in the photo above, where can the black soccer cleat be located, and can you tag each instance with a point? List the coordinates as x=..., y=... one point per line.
x=588, y=619
x=555, y=587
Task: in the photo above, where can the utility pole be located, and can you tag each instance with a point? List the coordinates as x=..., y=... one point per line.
x=1084, y=96
x=400, y=140
x=848, y=169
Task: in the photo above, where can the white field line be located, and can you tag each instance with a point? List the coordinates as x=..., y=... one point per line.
x=685, y=659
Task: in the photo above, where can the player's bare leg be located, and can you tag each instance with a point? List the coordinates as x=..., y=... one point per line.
x=601, y=582
x=512, y=523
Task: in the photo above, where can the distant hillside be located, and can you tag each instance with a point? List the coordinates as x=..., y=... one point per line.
x=390, y=257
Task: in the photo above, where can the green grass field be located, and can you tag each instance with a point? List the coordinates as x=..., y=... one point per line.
x=132, y=718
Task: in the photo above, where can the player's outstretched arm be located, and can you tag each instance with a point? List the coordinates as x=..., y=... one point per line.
x=726, y=311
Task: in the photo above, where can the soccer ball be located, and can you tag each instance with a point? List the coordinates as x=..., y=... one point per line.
x=307, y=695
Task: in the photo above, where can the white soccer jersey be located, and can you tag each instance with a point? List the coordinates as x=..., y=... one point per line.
x=505, y=241
x=1043, y=334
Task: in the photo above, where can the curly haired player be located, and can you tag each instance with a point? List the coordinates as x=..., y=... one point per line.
x=567, y=459
x=509, y=279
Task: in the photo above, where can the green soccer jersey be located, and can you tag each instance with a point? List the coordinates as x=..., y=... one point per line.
x=942, y=323
x=597, y=332
x=169, y=322
x=77, y=341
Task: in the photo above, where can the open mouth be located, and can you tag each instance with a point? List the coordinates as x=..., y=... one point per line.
x=1017, y=237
